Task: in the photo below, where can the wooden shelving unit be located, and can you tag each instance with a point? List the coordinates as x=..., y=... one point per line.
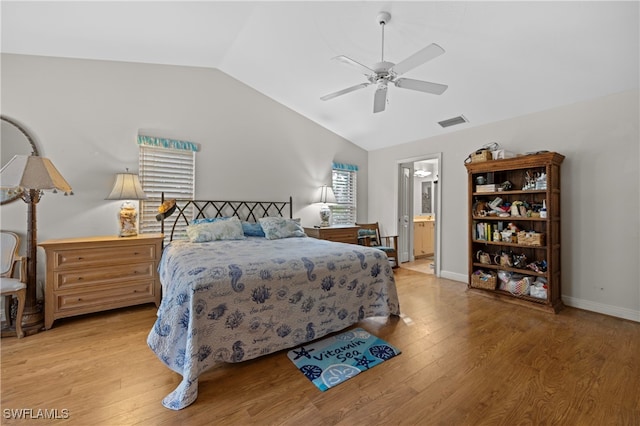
x=521, y=172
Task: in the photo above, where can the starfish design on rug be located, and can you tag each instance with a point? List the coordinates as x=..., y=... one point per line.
x=302, y=352
x=364, y=362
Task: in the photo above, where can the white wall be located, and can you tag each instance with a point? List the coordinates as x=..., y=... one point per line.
x=85, y=116
x=600, y=194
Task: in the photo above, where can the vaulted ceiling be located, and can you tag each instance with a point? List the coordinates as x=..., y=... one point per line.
x=503, y=59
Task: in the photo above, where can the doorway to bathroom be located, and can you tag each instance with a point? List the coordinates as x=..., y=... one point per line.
x=419, y=213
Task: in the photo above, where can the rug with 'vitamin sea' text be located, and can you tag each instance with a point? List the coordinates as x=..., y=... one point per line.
x=335, y=359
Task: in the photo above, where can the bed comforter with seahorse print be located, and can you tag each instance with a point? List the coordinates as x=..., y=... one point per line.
x=230, y=301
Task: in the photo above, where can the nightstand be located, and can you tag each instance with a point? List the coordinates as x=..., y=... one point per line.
x=338, y=233
x=93, y=274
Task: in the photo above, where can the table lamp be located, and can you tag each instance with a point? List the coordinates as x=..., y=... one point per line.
x=326, y=198
x=127, y=187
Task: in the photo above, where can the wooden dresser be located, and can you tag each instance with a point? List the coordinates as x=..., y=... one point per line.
x=338, y=233
x=94, y=274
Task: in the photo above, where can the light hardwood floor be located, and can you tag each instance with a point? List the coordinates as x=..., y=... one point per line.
x=465, y=360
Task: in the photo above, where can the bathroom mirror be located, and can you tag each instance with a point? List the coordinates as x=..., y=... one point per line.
x=15, y=140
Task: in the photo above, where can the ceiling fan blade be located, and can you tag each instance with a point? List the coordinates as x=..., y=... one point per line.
x=355, y=64
x=422, y=86
x=344, y=91
x=380, y=99
x=420, y=57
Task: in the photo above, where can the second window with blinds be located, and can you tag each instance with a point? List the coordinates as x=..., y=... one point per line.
x=165, y=166
x=345, y=189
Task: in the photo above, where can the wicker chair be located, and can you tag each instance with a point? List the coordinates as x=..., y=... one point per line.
x=369, y=235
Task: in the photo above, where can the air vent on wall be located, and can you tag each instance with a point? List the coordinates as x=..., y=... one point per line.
x=453, y=121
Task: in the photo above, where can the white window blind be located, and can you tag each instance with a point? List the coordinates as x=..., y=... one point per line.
x=168, y=170
x=345, y=190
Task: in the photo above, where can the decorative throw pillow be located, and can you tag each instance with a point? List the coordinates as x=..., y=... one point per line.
x=279, y=227
x=208, y=220
x=228, y=229
x=252, y=229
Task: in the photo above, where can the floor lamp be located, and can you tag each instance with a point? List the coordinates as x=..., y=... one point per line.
x=30, y=176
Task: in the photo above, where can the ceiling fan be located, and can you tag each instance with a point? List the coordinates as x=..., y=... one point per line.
x=382, y=73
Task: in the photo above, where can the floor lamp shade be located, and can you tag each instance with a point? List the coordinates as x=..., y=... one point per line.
x=127, y=187
x=25, y=172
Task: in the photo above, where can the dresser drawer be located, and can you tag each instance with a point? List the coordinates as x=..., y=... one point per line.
x=96, y=256
x=81, y=278
x=112, y=297
x=342, y=235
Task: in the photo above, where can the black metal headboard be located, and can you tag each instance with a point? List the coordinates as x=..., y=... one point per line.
x=250, y=211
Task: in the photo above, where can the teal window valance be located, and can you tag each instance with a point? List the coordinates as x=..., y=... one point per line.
x=167, y=143
x=345, y=167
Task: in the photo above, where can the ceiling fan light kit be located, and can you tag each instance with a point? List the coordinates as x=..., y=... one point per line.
x=382, y=73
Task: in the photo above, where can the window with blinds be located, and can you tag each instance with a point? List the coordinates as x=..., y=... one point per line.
x=345, y=190
x=165, y=166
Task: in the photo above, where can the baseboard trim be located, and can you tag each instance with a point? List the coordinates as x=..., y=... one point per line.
x=601, y=308
x=574, y=302
x=463, y=278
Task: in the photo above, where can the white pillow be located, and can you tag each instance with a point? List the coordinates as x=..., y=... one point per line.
x=229, y=229
x=279, y=227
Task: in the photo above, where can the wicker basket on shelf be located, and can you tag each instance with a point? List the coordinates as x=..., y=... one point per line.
x=484, y=279
x=530, y=238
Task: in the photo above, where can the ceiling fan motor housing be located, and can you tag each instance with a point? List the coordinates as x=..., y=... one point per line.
x=383, y=18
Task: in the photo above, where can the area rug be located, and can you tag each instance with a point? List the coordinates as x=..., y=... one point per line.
x=335, y=359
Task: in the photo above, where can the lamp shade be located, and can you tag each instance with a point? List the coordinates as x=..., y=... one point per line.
x=127, y=187
x=32, y=172
x=326, y=195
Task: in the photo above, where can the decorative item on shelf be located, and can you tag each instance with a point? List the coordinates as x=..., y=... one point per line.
x=501, y=154
x=481, y=155
x=516, y=284
x=530, y=238
x=487, y=188
x=484, y=279
x=538, y=266
x=326, y=197
x=483, y=257
x=519, y=261
x=539, y=288
x=543, y=210
x=541, y=181
x=127, y=187
x=503, y=259
x=30, y=176
x=506, y=185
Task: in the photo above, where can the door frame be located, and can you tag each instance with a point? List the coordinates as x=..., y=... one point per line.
x=438, y=208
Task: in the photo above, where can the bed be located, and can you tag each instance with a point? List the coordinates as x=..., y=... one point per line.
x=232, y=300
